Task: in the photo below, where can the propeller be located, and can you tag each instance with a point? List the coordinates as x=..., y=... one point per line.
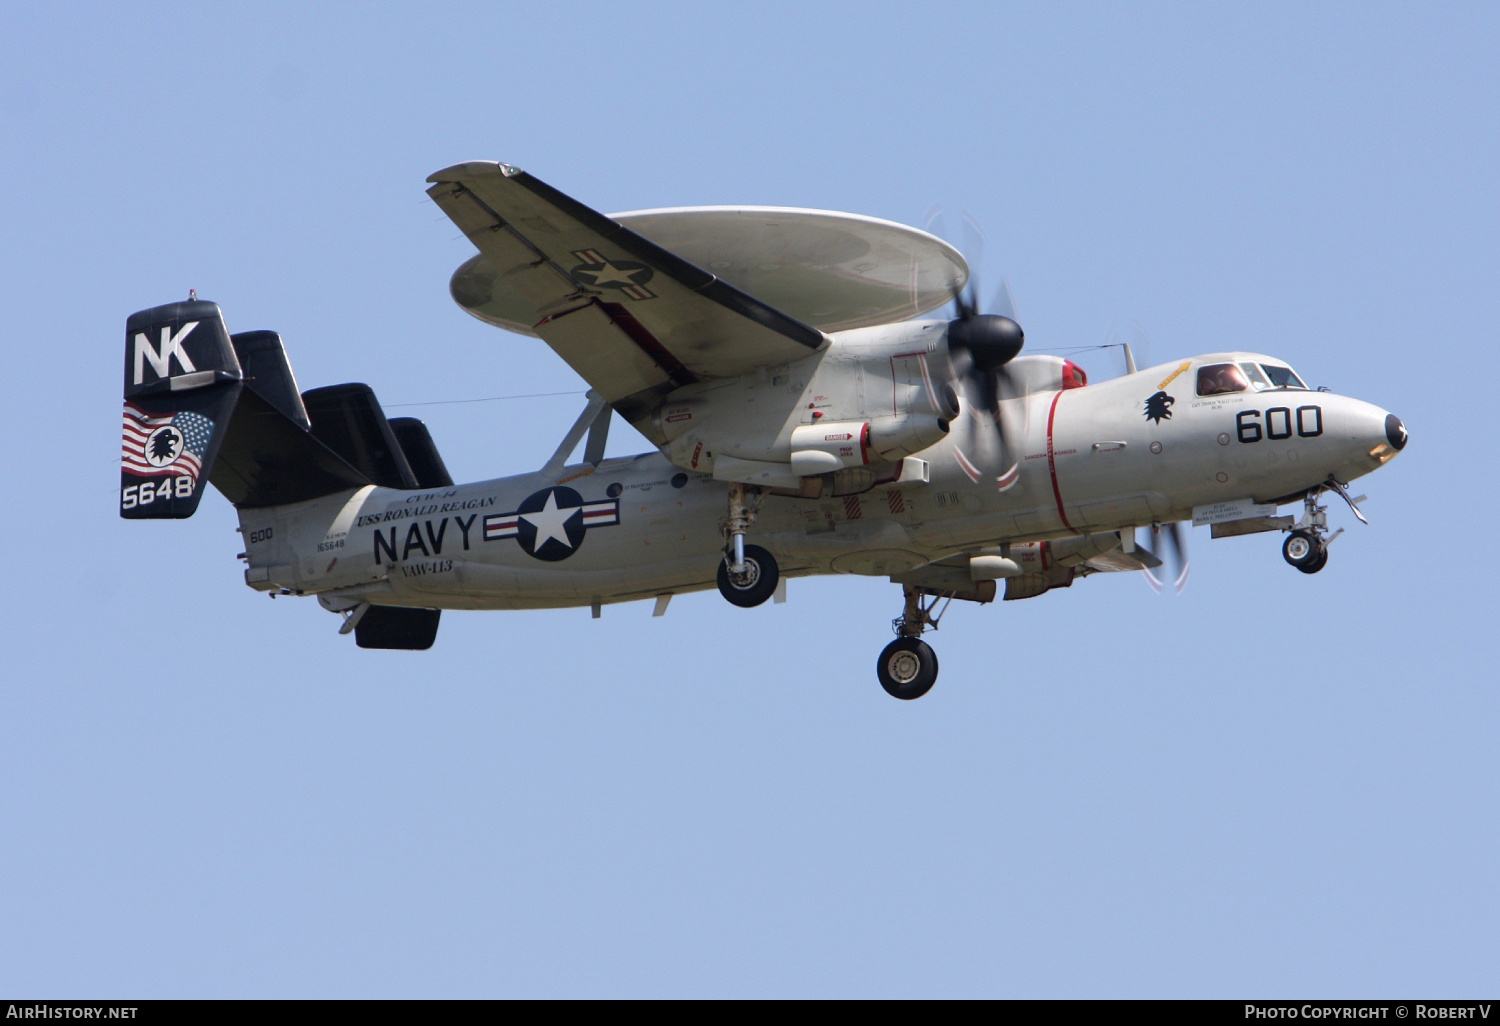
x=980, y=346
x=1176, y=540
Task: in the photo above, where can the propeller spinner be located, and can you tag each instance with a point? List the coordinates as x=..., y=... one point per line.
x=980, y=346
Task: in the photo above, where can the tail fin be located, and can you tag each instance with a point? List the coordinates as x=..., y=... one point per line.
x=204, y=406
x=348, y=419
x=421, y=453
x=181, y=382
x=268, y=371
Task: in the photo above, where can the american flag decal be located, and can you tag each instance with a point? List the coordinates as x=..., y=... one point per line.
x=164, y=446
x=627, y=276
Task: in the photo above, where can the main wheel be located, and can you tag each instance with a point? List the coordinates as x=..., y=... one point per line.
x=1302, y=550
x=1317, y=564
x=907, y=668
x=756, y=584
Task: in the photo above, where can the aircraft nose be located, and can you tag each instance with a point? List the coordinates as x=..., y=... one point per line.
x=1370, y=436
x=1378, y=436
x=1395, y=432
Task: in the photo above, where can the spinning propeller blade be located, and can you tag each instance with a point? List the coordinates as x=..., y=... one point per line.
x=1176, y=540
x=980, y=345
x=1004, y=302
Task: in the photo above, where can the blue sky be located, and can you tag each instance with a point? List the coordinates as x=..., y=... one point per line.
x=1273, y=784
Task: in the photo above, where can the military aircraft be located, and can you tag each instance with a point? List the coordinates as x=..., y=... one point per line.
x=807, y=420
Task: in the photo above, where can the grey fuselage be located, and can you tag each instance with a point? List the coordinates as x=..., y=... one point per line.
x=1097, y=458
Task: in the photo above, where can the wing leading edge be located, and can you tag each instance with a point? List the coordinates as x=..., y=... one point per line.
x=633, y=319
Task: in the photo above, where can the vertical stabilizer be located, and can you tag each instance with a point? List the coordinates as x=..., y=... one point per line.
x=182, y=379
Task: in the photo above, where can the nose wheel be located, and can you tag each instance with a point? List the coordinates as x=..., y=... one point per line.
x=1306, y=548
x=1305, y=551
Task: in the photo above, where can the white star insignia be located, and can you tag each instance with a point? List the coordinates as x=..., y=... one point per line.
x=609, y=274
x=550, y=522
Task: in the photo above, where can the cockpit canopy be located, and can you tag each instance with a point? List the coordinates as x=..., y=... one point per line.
x=1246, y=375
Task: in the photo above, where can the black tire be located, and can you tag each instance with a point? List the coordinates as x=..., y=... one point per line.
x=1302, y=550
x=1317, y=564
x=907, y=668
x=757, y=584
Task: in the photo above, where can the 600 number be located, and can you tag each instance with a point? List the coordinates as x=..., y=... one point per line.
x=1280, y=422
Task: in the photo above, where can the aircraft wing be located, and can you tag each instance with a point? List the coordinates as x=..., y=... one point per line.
x=634, y=320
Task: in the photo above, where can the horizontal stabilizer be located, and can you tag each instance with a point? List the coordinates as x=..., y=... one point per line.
x=269, y=460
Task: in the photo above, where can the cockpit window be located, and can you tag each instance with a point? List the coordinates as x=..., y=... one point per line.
x=1283, y=377
x=1257, y=379
x=1218, y=378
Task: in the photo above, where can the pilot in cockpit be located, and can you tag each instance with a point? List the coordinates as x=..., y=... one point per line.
x=1219, y=378
x=1223, y=378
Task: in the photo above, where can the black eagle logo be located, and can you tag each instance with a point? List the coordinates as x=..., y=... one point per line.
x=1158, y=407
x=165, y=445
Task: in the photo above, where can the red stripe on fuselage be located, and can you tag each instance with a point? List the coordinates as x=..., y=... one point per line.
x=1052, y=463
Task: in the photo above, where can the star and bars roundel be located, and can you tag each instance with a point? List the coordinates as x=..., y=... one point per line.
x=550, y=524
x=602, y=273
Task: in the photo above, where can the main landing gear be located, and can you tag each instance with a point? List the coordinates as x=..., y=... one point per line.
x=908, y=667
x=754, y=582
x=748, y=573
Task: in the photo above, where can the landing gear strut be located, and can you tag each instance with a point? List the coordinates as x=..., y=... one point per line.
x=1306, y=548
x=748, y=573
x=908, y=667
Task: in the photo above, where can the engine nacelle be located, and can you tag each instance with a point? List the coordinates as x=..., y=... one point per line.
x=894, y=437
x=828, y=446
x=868, y=402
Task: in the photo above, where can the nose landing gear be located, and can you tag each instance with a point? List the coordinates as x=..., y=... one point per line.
x=908, y=667
x=1305, y=551
x=1306, y=548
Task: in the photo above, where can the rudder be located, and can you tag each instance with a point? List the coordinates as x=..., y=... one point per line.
x=182, y=379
